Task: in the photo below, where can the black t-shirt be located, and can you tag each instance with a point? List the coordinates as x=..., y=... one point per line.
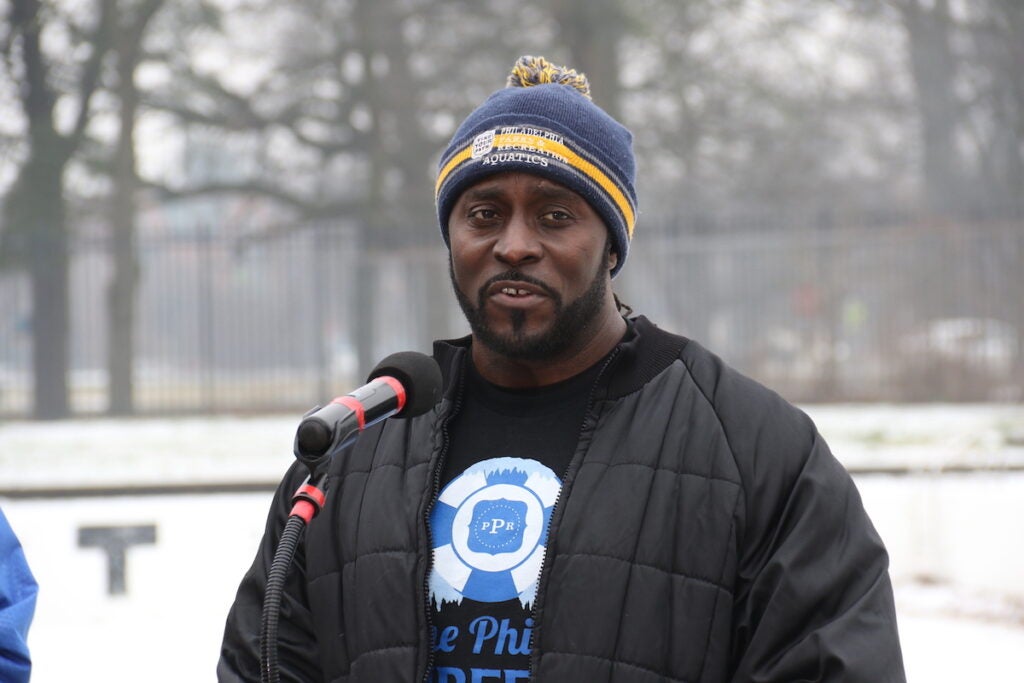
x=508, y=453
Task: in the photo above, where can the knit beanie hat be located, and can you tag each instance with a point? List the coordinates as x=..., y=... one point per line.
x=544, y=123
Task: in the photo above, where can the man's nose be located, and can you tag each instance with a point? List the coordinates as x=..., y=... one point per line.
x=518, y=242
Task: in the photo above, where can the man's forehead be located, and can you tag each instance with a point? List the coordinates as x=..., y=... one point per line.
x=499, y=185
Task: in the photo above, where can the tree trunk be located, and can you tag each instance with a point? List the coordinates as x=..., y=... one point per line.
x=35, y=205
x=36, y=211
x=48, y=267
x=122, y=289
x=1006, y=61
x=933, y=68
x=592, y=29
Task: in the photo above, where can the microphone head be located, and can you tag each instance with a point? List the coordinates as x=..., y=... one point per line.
x=313, y=437
x=419, y=375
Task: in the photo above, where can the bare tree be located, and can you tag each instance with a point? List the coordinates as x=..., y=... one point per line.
x=36, y=231
x=996, y=30
x=132, y=23
x=359, y=91
x=928, y=27
x=593, y=31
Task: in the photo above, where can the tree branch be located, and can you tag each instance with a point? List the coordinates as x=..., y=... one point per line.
x=307, y=208
x=250, y=187
x=101, y=41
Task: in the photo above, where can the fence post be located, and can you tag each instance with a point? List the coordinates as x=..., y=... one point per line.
x=206, y=320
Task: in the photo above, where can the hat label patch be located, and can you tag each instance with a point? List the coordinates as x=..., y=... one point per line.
x=483, y=143
x=519, y=145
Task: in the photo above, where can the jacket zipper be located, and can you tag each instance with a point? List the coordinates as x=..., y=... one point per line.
x=435, y=489
x=562, y=493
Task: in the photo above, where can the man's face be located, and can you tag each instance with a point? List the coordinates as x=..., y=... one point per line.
x=530, y=263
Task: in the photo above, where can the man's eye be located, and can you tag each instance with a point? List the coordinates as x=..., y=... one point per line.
x=558, y=216
x=483, y=214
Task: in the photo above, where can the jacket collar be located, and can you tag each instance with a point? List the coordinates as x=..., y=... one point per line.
x=641, y=357
x=644, y=352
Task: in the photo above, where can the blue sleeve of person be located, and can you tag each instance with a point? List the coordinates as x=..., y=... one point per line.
x=18, y=590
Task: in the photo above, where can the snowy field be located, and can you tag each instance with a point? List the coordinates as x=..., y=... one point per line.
x=944, y=485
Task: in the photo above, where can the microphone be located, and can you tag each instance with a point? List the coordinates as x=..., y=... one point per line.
x=404, y=384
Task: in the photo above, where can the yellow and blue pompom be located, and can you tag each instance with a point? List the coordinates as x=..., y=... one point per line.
x=529, y=71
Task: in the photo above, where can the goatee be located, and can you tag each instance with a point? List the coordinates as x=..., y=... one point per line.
x=571, y=323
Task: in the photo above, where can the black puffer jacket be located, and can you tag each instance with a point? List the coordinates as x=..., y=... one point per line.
x=704, y=533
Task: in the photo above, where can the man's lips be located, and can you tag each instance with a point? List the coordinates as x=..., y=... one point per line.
x=515, y=294
x=514, y=289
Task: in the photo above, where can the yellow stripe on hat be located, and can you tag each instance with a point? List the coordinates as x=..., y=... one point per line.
x=549, y=148
x=450, y=166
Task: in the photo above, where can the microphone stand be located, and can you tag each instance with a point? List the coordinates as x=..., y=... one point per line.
x=307, y=502
x=401, y=378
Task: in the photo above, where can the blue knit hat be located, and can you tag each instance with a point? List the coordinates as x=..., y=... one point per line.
x=544, y=123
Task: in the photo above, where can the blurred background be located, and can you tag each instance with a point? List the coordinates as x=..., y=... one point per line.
x=215, y=214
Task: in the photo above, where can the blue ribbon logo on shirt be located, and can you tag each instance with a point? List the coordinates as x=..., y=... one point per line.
x=489, y=529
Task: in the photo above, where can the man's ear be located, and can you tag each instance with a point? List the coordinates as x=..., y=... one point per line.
x=613, y=259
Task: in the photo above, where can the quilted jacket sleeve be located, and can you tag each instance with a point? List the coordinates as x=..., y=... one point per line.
x=297, y=648
x=814, y=599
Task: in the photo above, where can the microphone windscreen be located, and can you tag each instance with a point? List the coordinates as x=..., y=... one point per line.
x=313, y=437
x=419, y=375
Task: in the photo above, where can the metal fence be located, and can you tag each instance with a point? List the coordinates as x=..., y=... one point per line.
x=229, y=323
x=907, y=313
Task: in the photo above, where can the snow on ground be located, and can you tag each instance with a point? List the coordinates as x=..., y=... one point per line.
x=955, y=539
x=927, y=437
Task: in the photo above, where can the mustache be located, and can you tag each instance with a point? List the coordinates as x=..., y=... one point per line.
x=516, y=276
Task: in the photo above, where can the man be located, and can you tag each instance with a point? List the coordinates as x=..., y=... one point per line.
x=593, y=499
